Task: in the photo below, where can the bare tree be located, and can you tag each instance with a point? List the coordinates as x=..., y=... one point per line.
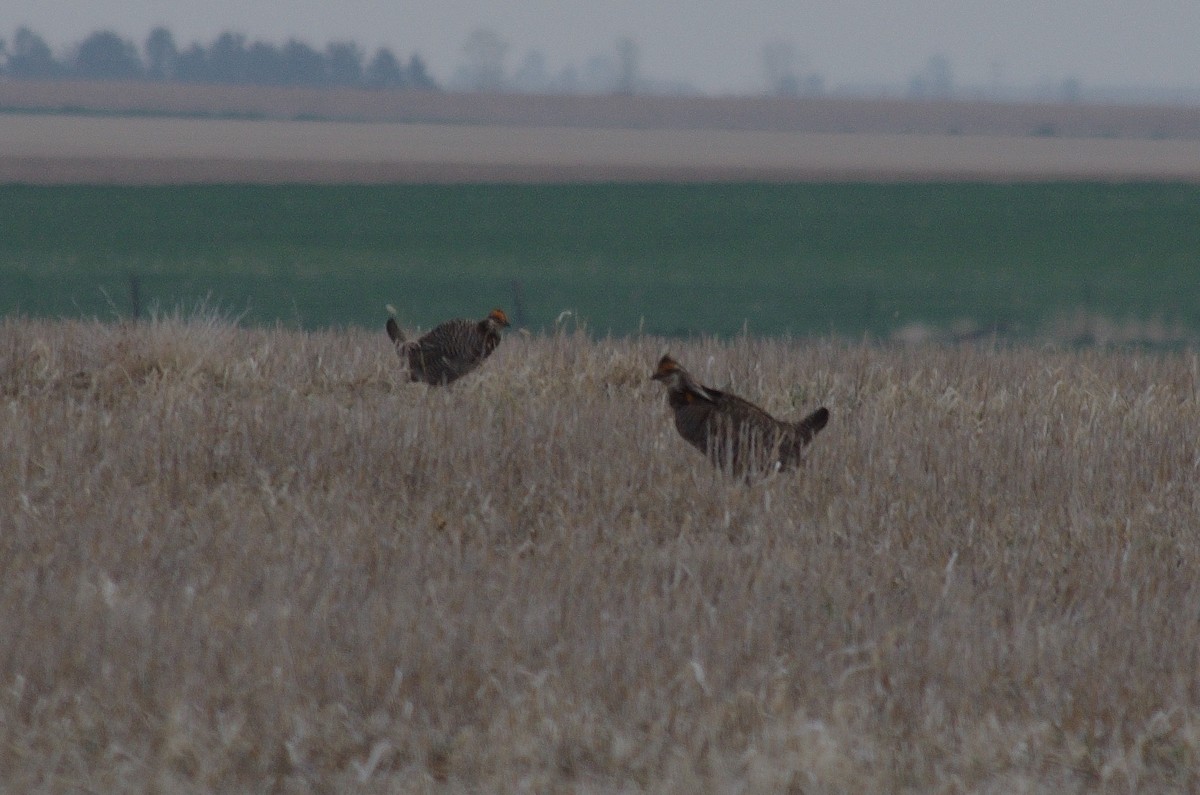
x=786, y=73
x=30, y=56
x=417, y=76
x=344, y=62
x=384, y=71
x=627, y=65
x=227, y=58
x=161, y=54
x=531, y=76
x=1071, y=90
x=934, y=81
x=484, y=54
x=779, y=67
x=303, y=65
x=599, y=75
x=264, y=64
x=105, y=55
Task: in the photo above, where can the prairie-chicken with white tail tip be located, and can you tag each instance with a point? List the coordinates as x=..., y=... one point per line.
x=734, y=434
x=451, y=350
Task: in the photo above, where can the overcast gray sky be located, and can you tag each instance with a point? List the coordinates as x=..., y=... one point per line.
x=714, y=44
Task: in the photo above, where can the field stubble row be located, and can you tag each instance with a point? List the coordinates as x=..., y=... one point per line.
x=240, y=557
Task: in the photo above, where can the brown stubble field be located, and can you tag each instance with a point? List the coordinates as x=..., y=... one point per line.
x=54, y=149
x=826, y=114
x=145, y=132
x=240, y=560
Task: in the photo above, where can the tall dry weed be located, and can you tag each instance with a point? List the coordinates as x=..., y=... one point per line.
x=247, y=559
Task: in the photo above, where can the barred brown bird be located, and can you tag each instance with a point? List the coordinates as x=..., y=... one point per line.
x=450, y=350
x=734, y=434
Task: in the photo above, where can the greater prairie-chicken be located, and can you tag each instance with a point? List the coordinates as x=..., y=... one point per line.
x=450, y=350
x=735, y=435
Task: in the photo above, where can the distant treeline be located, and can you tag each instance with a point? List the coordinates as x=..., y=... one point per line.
x=229, y=59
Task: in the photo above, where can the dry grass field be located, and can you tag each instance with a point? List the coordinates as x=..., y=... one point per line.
x=252, y=560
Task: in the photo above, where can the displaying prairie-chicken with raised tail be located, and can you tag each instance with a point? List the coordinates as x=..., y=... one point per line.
x=451, y=350
x=736, y=435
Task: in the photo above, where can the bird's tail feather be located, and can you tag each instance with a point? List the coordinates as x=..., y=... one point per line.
x=394, y=332
x=810, y=425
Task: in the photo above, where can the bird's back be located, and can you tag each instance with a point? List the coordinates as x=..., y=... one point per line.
x=450, y=351
x=738, y=435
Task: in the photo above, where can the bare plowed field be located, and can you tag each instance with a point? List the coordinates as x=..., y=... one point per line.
x=824, y=114
x=61, y=149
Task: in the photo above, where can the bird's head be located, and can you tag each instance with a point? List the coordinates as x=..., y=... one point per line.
x=497, y=318
x=668, y=371
x=679, y=382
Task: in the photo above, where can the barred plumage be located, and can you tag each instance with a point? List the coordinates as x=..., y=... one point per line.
x=450, y=350
x=734, y=434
